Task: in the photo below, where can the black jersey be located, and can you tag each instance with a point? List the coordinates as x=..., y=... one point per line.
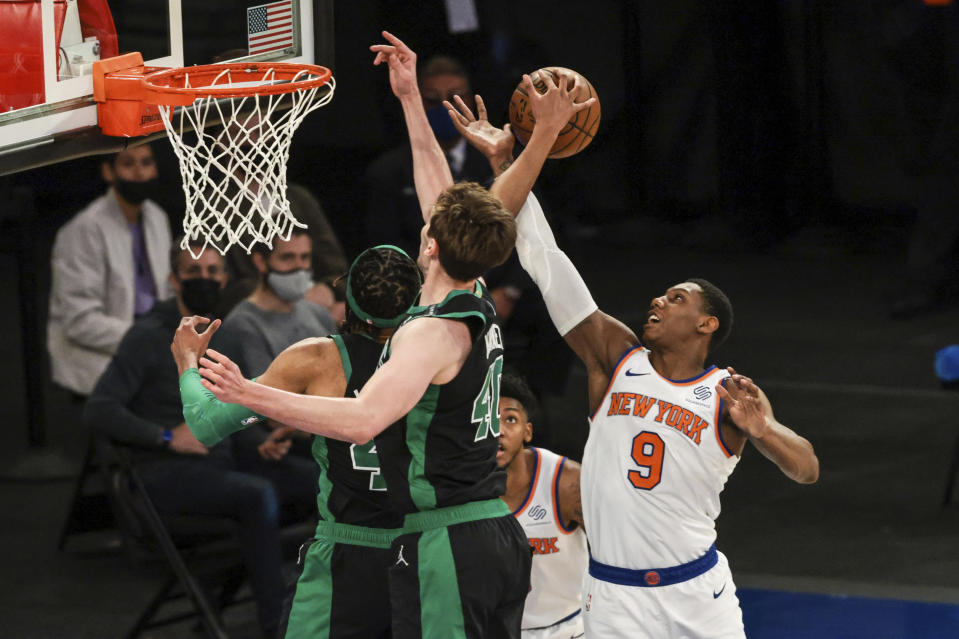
x=443, y=452
x=351, y=489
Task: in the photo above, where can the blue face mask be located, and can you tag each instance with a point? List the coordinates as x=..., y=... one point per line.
x=442, y=125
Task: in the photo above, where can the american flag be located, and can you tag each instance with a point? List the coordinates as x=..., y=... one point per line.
x=270, y=26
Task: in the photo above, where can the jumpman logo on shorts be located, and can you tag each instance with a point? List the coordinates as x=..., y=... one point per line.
x=400, y=558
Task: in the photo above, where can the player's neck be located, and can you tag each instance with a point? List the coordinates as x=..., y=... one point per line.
x=677, y=364
x=438, y=285
x=519, y=476
x=262, y=297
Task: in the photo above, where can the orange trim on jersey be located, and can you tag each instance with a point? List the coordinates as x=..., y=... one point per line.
x=532, y=485
x=554, y=488
x=718, y=421
x=612, y=378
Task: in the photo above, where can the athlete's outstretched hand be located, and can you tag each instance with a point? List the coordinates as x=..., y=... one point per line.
x=496, y=144
x=746, y=412
x=554, y=108
x=189, y=344
x=401, y=61
x=740, y=385
x=222, y=377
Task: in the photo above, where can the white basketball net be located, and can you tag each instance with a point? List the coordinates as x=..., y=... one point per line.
x=234, y=176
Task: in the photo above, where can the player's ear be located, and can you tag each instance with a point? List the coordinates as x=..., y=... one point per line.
x=528, y=432
x=708, y=324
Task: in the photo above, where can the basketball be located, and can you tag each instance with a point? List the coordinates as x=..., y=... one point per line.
x=580, y=130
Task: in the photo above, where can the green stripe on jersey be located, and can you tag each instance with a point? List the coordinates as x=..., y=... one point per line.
x=324, y=485
x=417, y=428
x=441, y=609
x=320, y=450
x=311, y=616
x=344, y=356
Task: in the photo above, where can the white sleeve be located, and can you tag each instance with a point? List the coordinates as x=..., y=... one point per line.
x=564, y=291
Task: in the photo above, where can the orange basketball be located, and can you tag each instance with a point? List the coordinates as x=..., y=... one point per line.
x=577, y=134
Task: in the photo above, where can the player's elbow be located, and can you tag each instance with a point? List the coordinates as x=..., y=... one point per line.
x=811, y=474
x=808, y=471
x=364, y=434
x=360, y=436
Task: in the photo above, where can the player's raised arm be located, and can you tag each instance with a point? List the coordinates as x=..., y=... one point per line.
x=750, y=411
x=431, y=171
x=551, y=110
x=597, y=338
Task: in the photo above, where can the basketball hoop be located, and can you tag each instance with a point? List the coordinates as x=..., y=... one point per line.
x=234, y=176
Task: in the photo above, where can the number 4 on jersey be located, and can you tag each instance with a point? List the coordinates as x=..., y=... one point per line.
x=486, y=404
x=365, y=458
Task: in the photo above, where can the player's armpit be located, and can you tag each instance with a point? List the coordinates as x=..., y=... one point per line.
x=734, y=438
x=600, y=341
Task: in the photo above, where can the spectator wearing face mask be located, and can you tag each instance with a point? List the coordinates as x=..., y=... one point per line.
x=137, y=405
x=109, y=265
x=274, y=316
x=329, y=261
x=392, y=211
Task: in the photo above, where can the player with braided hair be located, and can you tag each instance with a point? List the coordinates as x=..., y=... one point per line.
x=335, y=594
x=388, y=279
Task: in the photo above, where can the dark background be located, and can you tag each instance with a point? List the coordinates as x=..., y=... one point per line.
x=783, y=150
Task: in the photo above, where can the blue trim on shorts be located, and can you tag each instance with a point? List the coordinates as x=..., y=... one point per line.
x=654, y=577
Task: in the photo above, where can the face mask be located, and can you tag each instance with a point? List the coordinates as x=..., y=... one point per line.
x=292, y=285
x=135, y=192
x=200, y=295
x=441, y=123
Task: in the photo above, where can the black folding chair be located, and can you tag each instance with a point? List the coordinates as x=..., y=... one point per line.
x=196, y=549
x=89, y=509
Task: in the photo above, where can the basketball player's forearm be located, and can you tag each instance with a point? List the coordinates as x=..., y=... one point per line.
x=567, y=297
x=209, y=419
x=431, y=171
x=345, y=419
x=794, y=455
x=516, y=182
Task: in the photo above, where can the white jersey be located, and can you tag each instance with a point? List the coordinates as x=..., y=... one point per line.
x=654, y=466
x=559, y=554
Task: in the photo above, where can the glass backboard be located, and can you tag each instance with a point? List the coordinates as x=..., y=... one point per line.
x=47, y=49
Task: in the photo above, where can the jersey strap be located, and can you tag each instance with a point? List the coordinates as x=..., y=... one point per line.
x=654, y=577
x=532, y=484
x=559, y=517
x=459, y=304
x=344, y=356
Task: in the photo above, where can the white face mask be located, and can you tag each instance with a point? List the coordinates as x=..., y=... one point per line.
x=292, y=285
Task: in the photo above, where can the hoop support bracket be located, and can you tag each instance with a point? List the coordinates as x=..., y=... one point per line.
x=120, y=93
